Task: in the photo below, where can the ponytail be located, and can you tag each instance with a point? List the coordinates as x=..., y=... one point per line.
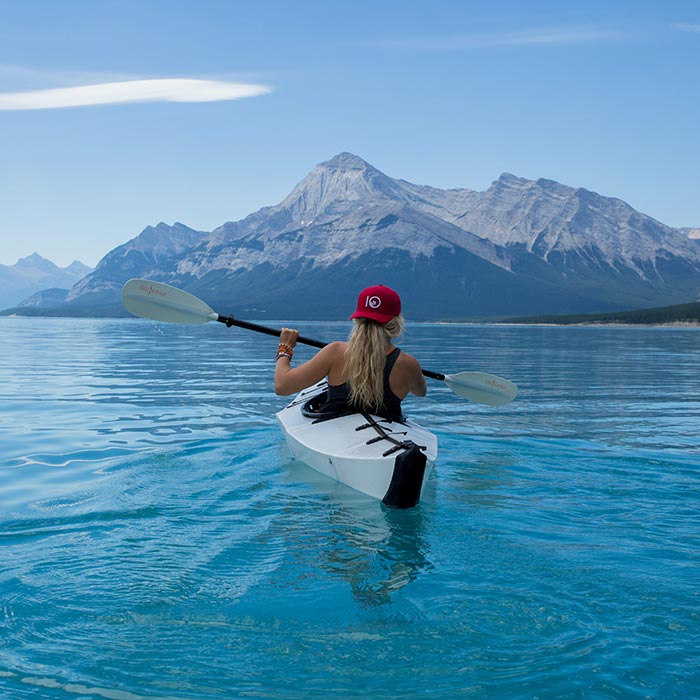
x=366, y=357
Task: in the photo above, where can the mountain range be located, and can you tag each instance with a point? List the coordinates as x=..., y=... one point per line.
x=519, y=247
x=33, y=274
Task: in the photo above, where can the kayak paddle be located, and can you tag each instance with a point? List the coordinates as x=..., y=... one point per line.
x=162, y=302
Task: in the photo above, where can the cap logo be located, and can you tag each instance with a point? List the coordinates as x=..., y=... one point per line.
x=373, y=302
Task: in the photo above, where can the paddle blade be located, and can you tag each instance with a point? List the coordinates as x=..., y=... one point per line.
x=161, y=302
x=482, y=388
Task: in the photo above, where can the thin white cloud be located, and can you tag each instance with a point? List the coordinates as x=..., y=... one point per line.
x=161, y=90
x=694, y=28
x=533, y=37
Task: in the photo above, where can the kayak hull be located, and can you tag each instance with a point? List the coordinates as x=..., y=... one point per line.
x=367, y=453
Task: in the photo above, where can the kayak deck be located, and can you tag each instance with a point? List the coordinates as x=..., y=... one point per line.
x=366, y=452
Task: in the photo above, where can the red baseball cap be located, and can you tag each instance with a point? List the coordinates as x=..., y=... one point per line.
x=379, y=303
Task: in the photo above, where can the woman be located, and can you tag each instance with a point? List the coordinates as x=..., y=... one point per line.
x=366, y=373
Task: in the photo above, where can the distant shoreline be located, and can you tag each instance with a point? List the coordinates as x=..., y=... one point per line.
x=606, y=324
x=687, y=325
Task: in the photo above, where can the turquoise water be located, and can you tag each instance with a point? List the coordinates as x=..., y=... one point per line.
x=157, y=542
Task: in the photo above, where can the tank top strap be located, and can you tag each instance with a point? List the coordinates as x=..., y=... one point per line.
x=391, y=361
x=392, y=403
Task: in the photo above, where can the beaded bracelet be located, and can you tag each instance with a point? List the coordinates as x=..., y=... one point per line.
x=283, y=347
x=283, y=354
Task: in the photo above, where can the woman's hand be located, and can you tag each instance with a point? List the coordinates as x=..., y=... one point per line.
x=288, y=336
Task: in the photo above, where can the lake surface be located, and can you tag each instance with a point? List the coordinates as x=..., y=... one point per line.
x=157, y=541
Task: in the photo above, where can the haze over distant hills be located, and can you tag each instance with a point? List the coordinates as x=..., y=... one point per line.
x=520, y=247
x=33, y=274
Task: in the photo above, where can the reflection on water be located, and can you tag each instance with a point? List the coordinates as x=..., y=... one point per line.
x=376, y=556
x=375, y=550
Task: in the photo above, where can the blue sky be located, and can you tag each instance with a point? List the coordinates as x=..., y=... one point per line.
x=602, y=95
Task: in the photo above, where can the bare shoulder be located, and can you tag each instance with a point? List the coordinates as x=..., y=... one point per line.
x=335, y=353
x=410, y=368
x=336, y=349
x=409, y=362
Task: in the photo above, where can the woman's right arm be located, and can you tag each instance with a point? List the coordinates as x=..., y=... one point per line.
x=420, y=388
x=417, y=385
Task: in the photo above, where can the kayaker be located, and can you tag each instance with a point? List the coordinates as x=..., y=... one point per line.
x=367, y=372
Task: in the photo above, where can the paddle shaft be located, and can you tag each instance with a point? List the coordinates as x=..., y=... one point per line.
x=162, y=302
x=231, y=321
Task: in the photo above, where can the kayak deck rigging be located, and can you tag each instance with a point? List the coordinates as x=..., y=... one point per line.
x=311, y=409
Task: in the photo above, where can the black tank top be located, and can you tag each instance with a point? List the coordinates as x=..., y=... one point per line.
x=339, y=396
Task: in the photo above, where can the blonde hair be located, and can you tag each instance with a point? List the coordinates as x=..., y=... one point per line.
x=366, y=357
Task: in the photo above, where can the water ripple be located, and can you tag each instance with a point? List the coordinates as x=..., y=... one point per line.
x=158, y=542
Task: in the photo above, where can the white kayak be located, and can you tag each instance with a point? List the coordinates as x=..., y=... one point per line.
x=385, y=459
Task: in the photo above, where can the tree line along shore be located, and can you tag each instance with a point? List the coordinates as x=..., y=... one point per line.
x=679, y=314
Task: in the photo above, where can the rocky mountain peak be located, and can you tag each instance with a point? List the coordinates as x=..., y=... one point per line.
x=346, y=161
x=166, y=236
x=337, y=184
x=510, y=179
x=78, y=268
x=35, y=262
x=33, y=273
